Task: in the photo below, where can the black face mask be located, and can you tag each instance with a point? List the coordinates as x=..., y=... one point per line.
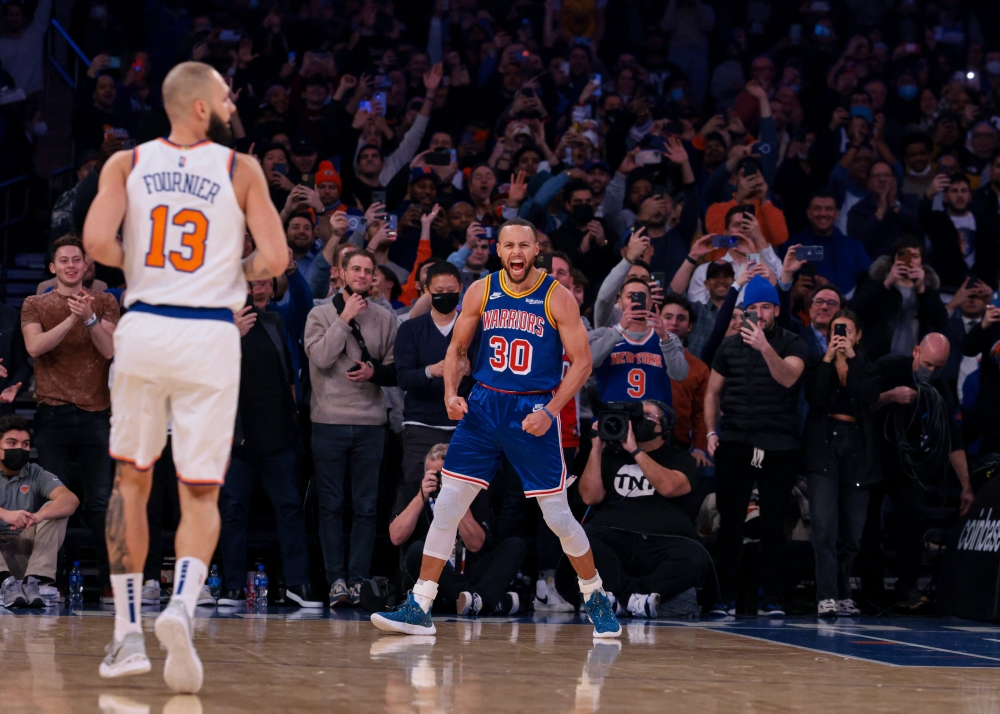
x=582, y=213
x=644, y=431
x=445, y=303
x=614, y=116
x=15, y=459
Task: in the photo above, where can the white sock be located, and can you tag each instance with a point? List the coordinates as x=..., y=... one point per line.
x=128, y=602
x=189, y=576
x=424, y=593
x=590, y=586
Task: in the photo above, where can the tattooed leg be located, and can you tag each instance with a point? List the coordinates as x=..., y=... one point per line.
x=125, y=528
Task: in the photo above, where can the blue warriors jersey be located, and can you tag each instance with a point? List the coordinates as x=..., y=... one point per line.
x=521, y=350
x=634, y=371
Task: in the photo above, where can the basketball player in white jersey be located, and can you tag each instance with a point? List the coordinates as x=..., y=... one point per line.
x=183, y=204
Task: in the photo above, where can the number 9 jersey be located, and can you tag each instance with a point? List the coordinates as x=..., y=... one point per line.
x=184, y=229
x=634, y=370
x=521, y=350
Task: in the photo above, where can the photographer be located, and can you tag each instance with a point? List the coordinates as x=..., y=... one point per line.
x=841, y=459
x=475, y=580
x=637, y=357
x=643, y=530
x=753, y=383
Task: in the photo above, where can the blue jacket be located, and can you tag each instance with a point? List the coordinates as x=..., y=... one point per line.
x=844, y=258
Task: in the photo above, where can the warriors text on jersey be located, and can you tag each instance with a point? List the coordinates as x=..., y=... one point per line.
x=634, y=370
x=183, y=231
x=521, y=349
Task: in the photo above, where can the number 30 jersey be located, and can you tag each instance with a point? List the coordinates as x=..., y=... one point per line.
x=634, y=371
x=183, y=230
x=521, y=350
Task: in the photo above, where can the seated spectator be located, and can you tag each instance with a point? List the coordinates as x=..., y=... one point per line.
x=642, y=531
x=844, y=257
x=883, y=215
x=965, y=310
x=841, y=459
x=476, y=578
x=349, y=342
x=899, y=302
x=688, y=394
x=755, y=442
x=264, y=443
x=419, y=353
x=637, y=358
x=962, y=239
x=35, y=507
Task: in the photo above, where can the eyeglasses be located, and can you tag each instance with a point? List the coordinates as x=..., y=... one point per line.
x=820, y=302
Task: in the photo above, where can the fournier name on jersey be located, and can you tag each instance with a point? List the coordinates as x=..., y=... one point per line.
x=177, y=182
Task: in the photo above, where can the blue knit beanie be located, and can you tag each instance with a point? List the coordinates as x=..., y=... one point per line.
x=759, y=290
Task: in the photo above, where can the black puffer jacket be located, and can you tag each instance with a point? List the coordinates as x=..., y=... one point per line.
x=756, y=410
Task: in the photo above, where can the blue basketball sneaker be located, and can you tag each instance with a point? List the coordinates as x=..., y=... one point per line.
x=602, y=614
x=408, y=618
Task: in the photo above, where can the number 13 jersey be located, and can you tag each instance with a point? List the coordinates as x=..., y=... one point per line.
x=183, y=231
x=521, y=350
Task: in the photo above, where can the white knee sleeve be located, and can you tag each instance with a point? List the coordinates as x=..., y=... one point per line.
x=450, y=506
x=560, y=520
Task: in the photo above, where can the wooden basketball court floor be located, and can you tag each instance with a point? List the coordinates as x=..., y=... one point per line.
x=291, y=661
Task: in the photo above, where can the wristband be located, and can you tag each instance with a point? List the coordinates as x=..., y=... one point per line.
x=545, y=409
x=691, y=260
x=711, y=433
x=635, y=453
x=91, y=322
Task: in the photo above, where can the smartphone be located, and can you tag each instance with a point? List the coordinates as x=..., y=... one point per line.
x=753, y=258
x=280, y=168
x=378, y=197
x=749, y=317
x=355, y=368
x=840, y=330
x=230, y=36
x=995, y=298
x=392, y=223
x=468, y=279
x=452, y=156
x=308, y=180
x=659, y=278
x=596, y=79
x=722, y=241
x=114, y=63
x=379, y=99
x=638, y=298
x=291, y=58
x=809, y=252
x=441, y=157
x=543, y=261
x=648, y=157
x=489, y=232
x=905, y=256
x=357, y=223
x=365, y=107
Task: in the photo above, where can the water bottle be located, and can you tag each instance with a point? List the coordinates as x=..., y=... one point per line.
x=76, y=584
x=260, y=588
x=214, y=582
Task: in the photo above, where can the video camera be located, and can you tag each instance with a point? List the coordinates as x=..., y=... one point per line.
x=613, y=418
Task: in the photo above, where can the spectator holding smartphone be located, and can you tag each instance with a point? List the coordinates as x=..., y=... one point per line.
x=980, y=342
x=841, y=459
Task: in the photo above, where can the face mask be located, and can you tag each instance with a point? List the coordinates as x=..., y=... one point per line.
x=926, y=375
x=582, y=213
x=444, y=303
x=907, y=92
x=15, y=459
x=644, y=431
x=993, y=67
x=40, y=128
x=614, y=116
x=677, y=94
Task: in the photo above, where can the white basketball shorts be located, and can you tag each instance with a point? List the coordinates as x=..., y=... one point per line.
x=185, y=372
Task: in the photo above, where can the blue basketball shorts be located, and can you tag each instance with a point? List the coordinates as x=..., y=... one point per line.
x=492, y=429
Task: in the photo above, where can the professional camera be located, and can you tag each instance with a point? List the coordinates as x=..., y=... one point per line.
x=614, y=417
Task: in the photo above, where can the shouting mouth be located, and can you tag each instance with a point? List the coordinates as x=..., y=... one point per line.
x=516, y=266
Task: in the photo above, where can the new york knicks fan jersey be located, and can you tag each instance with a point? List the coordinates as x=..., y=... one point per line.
x=183, y=230
x=520, y=350
x=634, y=370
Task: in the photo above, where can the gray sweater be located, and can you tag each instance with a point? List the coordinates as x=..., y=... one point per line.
x=332, y=349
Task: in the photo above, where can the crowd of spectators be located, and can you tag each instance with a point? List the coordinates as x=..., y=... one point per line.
x=781, y=223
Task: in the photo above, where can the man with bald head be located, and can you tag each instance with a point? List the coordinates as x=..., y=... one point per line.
x=901, y=378
x=178, y=350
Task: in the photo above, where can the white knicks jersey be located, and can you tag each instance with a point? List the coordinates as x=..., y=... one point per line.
x=183, y=230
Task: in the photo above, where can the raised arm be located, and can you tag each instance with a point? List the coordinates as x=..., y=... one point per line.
x=271, y=257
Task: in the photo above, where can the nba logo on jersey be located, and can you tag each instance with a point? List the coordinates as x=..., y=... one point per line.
x=181, y=161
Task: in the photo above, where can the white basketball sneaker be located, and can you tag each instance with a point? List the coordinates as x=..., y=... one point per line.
x=548, y=599
x=182, y=671
x=125, y=657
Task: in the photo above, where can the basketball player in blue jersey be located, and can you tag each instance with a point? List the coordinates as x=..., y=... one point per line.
x=637, y=357
x=528, y=319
